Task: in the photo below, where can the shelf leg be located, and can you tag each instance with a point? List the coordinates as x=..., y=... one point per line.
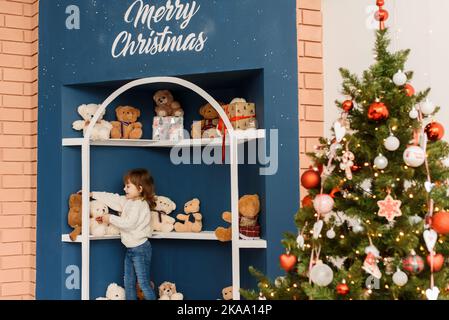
x=235, y=219
x=85, y=241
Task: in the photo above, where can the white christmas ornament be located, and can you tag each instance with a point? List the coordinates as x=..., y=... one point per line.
x=414, y=156
x=400, y=278
x=321, y=274
x=430, y=238
x=392, y=143
x=330, y=234
x=414, y=219
x=340, y=131
x=381, y=162
x=317, y=227
x=432, y=294
x=323, y=203
x=300, y=242
x=445, y=162
x=413, y=114
x=400, y=78
x=427, y=107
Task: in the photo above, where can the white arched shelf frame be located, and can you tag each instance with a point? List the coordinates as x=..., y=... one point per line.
x=85, y=165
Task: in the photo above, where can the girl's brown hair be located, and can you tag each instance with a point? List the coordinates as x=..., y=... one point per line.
x=142, y=178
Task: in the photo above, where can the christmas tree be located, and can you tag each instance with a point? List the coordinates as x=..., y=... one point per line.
x=374, y=224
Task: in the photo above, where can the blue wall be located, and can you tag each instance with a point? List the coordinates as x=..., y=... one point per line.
x=250, y=52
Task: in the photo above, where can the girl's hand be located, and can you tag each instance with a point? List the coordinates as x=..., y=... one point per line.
x=105, y=218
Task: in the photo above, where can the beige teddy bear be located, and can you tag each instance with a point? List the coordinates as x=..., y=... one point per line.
x=160, y=219
x=166, y=105
x=191, y=209
x=99, y=209
x=167, y=291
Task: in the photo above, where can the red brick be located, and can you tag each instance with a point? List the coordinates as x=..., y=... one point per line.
x=9, y=7
x=11, y=61
x=17, y=48
x=30, y=168
x=31, y=9
x=15, y=235
x=11, y=168
x=309, y=4
x=29, y=195
x=15, y=88
x=304, y=161
x=311, y=129
x=17, y=75
x=301, y=48
x=302, y=113
x=314, y=81
x=312, y=17
x=9, y=222
x=17, y=288
x=312, y=65
x=301, y=81
x=18, y=182
x=302, y=145
x=314, y=49
x=10, y=195
x=2, y=20
x=20, y=128
x=20, y=22
x=30, y=62
x=310, y=33
x=30, y=115
x=311, y=97
x=11, y=34
x=9, y=114
x=10, y=249
x=29, y=221
x=19, y=155
x=29, y=248
x=29, y=275
x=31, y=36
x=19, y=208
x=314, y=113
x=30, y=141
x=14, y=275
x=11, y=141
x=30, y=89
x=311, y=143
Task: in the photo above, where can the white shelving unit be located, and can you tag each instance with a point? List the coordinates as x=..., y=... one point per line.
x=232, y=140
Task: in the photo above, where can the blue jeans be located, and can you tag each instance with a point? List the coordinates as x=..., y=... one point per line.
x=137, y=267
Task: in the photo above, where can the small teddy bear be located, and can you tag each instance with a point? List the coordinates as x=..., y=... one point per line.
x=210, y=122
x=114, y=292
x=227, y=293
x=74, y=215
x=101, y=130
x=191, y=208
x=249, y=208
x=166, y=105
x=167, y=291
x=160, y=219
x=99, y=209
x=127, y=126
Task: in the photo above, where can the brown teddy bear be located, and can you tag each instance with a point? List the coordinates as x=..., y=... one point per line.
x=74, y=215
x=249, y=208
x=210, y=121
x=127, y=126
x=191, y=209
x=166, y=105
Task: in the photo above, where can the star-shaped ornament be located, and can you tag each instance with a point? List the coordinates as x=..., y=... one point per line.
x=389, y=208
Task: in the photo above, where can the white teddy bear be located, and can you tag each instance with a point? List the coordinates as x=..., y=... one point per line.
x=114, y=292
x=167, y=291
x=99, y=209
x=160, y=219
x=101, y=130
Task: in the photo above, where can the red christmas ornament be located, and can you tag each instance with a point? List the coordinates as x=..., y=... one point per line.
x=409, y=90
x=347, y=105
x=342, y=289
x=378, y=111
x=440, y=222
x=310, y=179
x=434, y=131
x=307, y=202
x=334, y=192
x=413, y=264
x=320, y=168
x=380, y=3
x=381, y=15
x=438, y=261
x=355, y=168
x=288, y=261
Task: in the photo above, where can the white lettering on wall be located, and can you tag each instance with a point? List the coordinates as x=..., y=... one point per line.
x=156, y=41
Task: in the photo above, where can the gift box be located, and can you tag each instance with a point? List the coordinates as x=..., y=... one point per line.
x=168, y=128
x=196, y=132
x=250, y=232
x=241, y=114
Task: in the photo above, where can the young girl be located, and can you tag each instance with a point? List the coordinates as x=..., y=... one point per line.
x=135, y=229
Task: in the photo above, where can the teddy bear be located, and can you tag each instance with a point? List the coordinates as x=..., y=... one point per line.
x=191, y=209
x=101, y=130
x=99, y=209
x=160, y=219
x=210, y=121
x=167, y=291
x=74, y=215
x=249, y=208
x=166, y=105
x=127, y=126
x=227, y=293
x=114, y=292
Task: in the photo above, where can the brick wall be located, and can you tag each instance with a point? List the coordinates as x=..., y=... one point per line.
x=18, y=147
x=310, y=65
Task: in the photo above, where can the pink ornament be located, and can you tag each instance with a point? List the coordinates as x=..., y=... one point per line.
x=389, y=208
x=323, y=203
